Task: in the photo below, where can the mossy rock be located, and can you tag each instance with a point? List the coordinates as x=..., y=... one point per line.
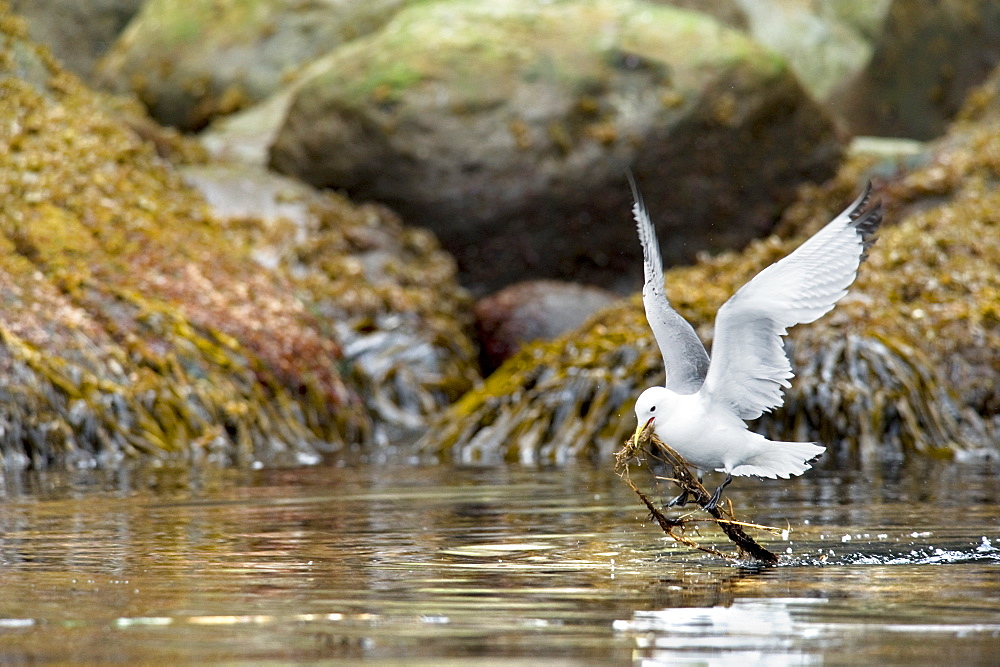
x=826, y=44
x=487, y=122
x=191, y=61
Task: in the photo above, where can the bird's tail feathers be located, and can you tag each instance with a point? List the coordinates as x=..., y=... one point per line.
x=780, y=459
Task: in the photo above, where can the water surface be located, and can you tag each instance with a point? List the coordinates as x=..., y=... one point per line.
x=438, y=564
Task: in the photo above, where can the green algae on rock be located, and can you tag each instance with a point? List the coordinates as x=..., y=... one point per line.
x=907, y=363
x=194, y=60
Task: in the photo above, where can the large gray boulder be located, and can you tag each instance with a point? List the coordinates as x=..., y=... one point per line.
x=191, y=61
x=507, y=128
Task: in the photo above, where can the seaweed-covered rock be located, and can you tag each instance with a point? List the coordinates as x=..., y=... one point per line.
x=135, y=323
x=927, y=58
x=908, y=362
x=385, y=292
x=505, y=128
x=190, y=61
x=101, y=236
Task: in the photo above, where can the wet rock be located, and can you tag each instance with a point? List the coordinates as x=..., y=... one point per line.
x=906, y=364
x=506, y=127
x=78, y=32
x=532, y=311
x=192, y=61
x=928, y=56
x=827, y=45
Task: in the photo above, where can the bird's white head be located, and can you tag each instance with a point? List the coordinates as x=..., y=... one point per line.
x=650, y=404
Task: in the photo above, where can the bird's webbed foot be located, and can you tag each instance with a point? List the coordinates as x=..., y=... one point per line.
x=713, y=502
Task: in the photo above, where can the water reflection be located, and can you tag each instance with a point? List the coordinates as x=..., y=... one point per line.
x=393, y=562
x=795, y=631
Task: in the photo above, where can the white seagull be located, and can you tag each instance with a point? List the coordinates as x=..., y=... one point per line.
x=700, y=412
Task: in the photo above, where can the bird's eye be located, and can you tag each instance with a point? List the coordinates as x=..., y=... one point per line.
x=652, y=409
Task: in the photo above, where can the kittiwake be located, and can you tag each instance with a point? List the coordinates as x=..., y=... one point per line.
x=700, y=411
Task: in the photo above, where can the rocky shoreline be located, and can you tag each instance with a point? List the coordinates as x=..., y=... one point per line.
x=160, y=303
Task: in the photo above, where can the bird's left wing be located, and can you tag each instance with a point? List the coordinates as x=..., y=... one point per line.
x=749, y=366
x=684, y=354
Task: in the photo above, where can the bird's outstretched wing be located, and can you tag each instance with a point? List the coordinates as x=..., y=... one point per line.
x=683, y=353
x=749, y=366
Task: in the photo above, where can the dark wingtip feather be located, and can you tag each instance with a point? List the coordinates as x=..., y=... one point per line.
x=866, y=216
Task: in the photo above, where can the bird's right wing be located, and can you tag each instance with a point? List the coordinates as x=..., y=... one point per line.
x=684, y=355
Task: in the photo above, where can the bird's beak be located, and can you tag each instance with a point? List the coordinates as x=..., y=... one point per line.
x=642, y=427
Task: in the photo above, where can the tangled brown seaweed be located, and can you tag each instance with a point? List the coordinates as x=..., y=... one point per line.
x=645, y=444
x=131, y=324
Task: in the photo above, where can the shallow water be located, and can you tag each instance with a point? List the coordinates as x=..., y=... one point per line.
x=438, y=564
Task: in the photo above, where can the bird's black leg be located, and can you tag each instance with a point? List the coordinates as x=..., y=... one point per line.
x=714, y=500
x=684, y=498
x=679, y=501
